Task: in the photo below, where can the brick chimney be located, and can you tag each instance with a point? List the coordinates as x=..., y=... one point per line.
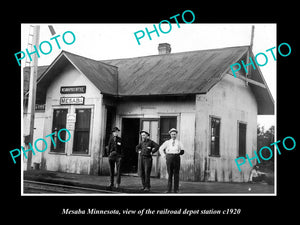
x=164, y=48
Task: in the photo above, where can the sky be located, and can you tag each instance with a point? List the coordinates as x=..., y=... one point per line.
x=114, y=41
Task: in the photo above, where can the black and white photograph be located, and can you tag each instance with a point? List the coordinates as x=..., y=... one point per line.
x=133, y=113
x=149, y=109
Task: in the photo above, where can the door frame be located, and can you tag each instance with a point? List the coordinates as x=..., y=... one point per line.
x=155, y=171
x=122, y=128
x=142, y=117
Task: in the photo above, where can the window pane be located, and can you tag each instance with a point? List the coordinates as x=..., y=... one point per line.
x=146, y=126
x=83, y=119
x=213, y=148
x=154, y=128
x=215, y=137
x=59, y=122
x=82, y=131
x=82, y=142
x=173, y=122
x=242, y=139
x=166, y=123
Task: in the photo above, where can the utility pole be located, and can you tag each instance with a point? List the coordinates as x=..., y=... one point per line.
x=248, y=54
x=32, y=91
x=252, y=37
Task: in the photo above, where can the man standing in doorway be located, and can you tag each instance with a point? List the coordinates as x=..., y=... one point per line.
x=115, y=154
x=145, y=149
x=172, y=149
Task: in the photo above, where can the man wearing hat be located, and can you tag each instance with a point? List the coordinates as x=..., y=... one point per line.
x=145, y=149
x=114, y=151
x=172, y=149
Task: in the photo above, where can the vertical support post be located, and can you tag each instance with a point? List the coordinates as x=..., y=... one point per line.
x=248, y=54
x=32, y=91
x=252, y=37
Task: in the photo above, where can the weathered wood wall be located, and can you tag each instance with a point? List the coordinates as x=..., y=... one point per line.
x=231, y=101
x=69, y=162
x=154, y=108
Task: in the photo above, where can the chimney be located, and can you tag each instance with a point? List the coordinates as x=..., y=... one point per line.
x=164, y=48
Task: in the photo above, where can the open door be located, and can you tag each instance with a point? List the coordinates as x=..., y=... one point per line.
x=158, y=129
x=130, y=138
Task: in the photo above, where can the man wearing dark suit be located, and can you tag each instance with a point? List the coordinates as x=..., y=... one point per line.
x=145, y=149
x=115, y=153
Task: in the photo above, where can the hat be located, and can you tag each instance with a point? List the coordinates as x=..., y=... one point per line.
x=173, y=130
x=143, y=131
x=115, y=129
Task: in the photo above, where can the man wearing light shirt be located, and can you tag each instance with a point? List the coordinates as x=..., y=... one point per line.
x=172, y=149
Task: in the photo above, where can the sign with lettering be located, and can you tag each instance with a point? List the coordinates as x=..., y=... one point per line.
x=71, y=120
x=72, y=89
x=72, y=100
x=39, y=106
x=71, y=117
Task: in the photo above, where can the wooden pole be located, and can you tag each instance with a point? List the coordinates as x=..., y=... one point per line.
x=252, y=37
x=248, y=55
x=32, y=92
x=52, y=31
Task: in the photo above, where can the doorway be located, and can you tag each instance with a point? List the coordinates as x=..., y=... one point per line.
x=152, y=126
x=130, y=139
x=158, y=129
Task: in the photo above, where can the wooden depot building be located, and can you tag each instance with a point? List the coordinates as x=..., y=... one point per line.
x=195, y=92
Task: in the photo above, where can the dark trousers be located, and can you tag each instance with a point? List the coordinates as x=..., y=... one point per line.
x=115, y=160
x=173, y=167
x=145, y=170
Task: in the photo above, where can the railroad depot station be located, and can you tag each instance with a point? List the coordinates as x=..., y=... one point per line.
x=194, y=92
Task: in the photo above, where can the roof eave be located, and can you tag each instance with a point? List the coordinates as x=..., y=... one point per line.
x=265, y=107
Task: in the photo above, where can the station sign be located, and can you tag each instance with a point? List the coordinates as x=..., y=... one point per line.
x=72, y=89
x=72, y=100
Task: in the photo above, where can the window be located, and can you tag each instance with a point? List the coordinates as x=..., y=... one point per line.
x=215, y=136
x=151, y=126
x=59, y=122
x=110, y=120
x=166, y=123
x=82, y=131
x=242, y=139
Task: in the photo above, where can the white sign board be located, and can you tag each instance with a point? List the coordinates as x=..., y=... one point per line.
x=72, y=100
x=70, y=126
x=71, y=117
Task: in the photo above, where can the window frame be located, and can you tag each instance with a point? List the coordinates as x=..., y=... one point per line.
x=52, y=150
x=82, y=153
x=211, y=117
x=161, y=134
x=238, y=138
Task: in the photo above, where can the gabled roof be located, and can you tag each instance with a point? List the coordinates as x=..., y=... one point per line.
x=263, y=96
x=174, y=74
x=102, y=75
x=193, y=72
